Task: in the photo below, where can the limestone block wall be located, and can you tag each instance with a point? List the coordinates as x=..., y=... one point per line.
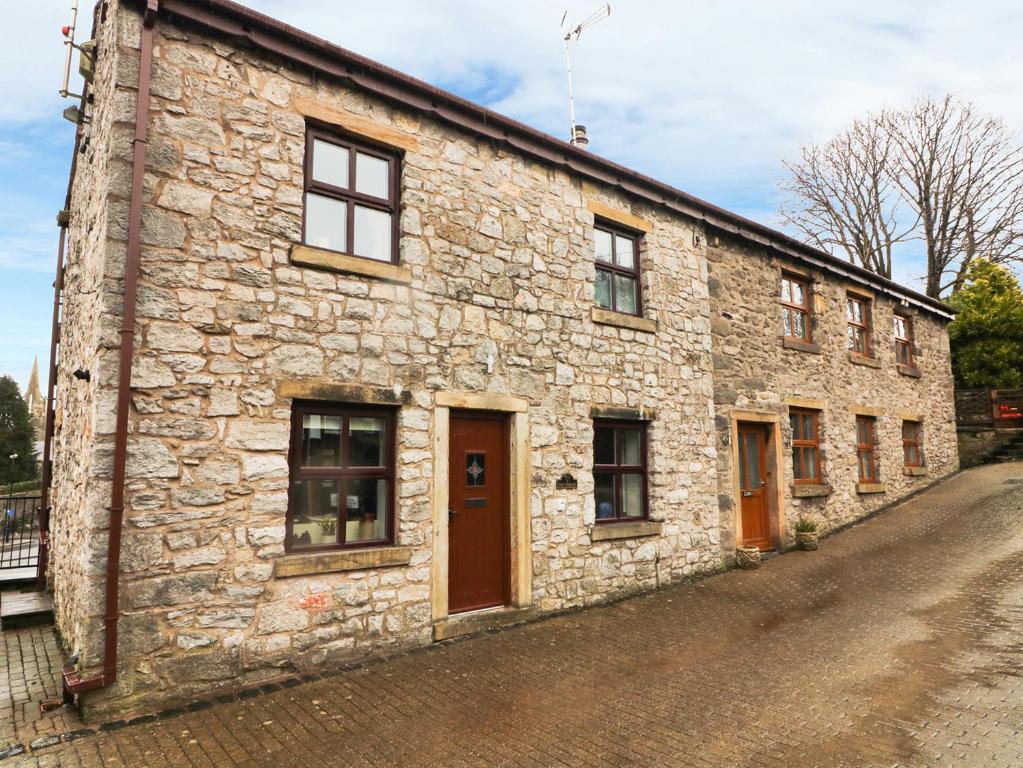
x=500, y=252
x=753, y=372
x=90, y=325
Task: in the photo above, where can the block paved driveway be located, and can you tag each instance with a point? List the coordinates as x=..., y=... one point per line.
x=899, y=643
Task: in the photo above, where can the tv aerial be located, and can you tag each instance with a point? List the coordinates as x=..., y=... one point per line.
x=577, y=133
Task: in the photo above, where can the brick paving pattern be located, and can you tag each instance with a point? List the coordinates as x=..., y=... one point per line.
x=899, y=643
x=29, y=673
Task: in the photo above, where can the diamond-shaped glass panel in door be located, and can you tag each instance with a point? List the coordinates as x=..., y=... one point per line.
x=475, y=469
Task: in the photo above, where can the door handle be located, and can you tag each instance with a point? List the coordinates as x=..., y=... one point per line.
x=747, y=493
x=452, y=511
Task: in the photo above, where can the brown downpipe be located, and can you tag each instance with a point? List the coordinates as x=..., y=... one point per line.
x=74, y=683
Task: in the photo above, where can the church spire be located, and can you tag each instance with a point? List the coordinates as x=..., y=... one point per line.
x=34, y=398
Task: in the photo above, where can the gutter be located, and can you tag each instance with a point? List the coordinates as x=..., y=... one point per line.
x=262, y=32
x=74, y=683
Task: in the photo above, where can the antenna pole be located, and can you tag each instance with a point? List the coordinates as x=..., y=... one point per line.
x=69, y=41
x=571, y=99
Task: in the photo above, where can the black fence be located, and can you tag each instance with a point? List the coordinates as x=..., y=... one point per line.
x=19, y=532
x=1000, y=408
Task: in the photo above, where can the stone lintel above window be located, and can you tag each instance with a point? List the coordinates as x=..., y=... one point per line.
x=333, y=392
x=622, y=320
x=623, y=218
x=627, y=530
x=309, y=256
x=801, y=346
x=810, y=491
x=312, y=563
x=865, y=488
x=626, y=414
x=870, y=362
x=908, y=370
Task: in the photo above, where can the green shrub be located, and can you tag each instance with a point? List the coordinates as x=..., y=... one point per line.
x=805, y=526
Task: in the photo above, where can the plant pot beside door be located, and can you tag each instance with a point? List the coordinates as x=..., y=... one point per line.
x=747, y=558
x=806, y=534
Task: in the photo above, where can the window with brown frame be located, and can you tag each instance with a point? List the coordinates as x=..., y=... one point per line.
x=617, y=282
x=857, y=313
x=902, y=327
x=806, y=446
x=866, y=448
x=619, y=470
x=342, y=477
x=351, y=197
x=912, y=444
x=795, y=308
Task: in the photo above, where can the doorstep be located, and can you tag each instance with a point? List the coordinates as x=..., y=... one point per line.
x=475, y=622
x=24, y=609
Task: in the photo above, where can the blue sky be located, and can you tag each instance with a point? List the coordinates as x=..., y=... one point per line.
x=709, y=97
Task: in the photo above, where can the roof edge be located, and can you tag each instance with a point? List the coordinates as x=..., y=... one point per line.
x=261, y=31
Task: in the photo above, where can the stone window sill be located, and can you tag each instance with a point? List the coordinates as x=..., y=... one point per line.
x=908, y=370
x=809, y=491
x=915, y=471
x=801, y=346
x=621, y=320
x=613, y=531
x=871, y=488
x=312, y=563
x=870, y=362
x=307, y=256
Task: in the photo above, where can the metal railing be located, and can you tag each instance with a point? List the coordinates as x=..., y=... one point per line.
x=1000, y=408
x=19, y=531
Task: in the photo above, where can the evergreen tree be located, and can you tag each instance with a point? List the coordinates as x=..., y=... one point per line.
x=987, y=335
x=16, y=435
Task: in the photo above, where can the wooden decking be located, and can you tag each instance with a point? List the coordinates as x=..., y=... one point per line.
x=24, y=609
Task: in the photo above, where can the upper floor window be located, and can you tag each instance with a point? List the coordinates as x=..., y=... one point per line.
x=619, y=470
x=795, y=312
x=903, y=329
x=866, y=448
x=351, y=197
x=806, y=446
x=912, y=444
x=617, y=255
x=857, y=314
x=342, y=477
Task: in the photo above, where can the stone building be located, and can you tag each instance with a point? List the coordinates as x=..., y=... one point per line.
x=390, y=359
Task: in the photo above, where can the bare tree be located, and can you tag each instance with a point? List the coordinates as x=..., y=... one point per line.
x=937, y=171
x=962, y=173
x=842, y=197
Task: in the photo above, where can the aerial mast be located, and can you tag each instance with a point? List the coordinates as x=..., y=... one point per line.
x=577, y=133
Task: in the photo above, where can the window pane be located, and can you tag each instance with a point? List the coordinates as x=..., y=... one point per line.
x=797, y=294
x=603, y=446
x=625, y=255
x=794, y=422
x=630, y=445
x=365, y=509
x=371, y=175
x=602, y=245
x=786, y=320
x=750, y=457
x=797, y=469
x=809, y=463
x=330, y=163
x=372, y=233
x=604, y=495
x=321, y=440
x=899, y=325
x=632, y=495
x=786, y=290
x=799, y=325
x=808, y=426
x=602, y=288
x=325, y=222
x=911, y=455
x=866, y=465
x=314, y=510
x=625, y=294
x=365, y=442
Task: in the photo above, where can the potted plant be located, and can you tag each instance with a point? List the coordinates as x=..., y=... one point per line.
x=747, y=557
x=806, y=534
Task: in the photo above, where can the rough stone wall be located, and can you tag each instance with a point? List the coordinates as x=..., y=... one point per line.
x=753, y=372
x=978, y=445
x=89, y=337
x=500, y=249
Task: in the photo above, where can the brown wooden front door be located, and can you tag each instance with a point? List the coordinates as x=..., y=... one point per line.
x=756, y=526
x=478, y=512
